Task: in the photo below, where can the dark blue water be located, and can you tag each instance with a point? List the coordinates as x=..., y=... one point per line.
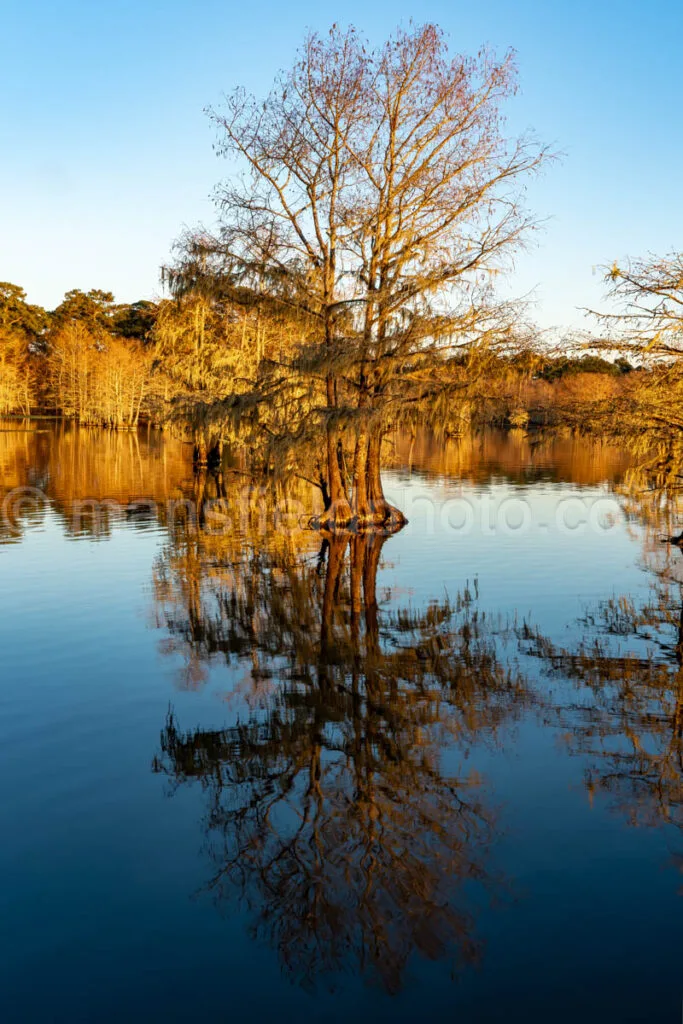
x=233, y=789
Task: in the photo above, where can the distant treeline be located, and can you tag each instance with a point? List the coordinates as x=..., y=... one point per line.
x=555, y=367
x=89, y=359
x=100, y=362
x=97, y=361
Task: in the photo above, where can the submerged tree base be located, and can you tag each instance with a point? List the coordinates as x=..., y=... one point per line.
x=339, y=518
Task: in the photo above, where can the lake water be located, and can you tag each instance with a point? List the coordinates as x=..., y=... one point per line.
x=251, y=774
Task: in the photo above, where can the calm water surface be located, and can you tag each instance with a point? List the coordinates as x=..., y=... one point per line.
x=248, y=774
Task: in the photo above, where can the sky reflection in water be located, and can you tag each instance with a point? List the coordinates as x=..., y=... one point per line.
x=261, y=775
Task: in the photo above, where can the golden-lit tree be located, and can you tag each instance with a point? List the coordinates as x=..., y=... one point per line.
x=17, y=380
x=97, y=377
x=645, y=323
x=21, y=329
x=380, y=197
x=648, y=294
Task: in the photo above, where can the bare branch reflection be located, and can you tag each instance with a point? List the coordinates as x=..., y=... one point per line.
x=624, y=714
x=341, y=807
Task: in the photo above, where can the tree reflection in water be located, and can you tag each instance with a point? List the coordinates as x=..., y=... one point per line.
x=625, y=714
x=339, y=808
x=341, y=804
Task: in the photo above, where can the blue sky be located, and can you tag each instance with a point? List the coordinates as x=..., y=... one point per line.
x=106, y=154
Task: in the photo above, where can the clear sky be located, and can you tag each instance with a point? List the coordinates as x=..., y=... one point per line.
x=106, y=154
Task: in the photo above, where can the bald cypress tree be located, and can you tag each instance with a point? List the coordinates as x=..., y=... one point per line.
x=375, y=197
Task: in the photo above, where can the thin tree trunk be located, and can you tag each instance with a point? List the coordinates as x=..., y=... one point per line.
x=201, y=454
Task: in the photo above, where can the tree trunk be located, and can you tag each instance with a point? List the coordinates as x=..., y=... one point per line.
x=215, y=452
x=201, y=452
x=361, y=497
x=339, y=514
x=384, y=514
